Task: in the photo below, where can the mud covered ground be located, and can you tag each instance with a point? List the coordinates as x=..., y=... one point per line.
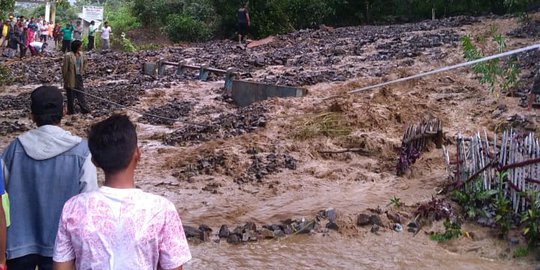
x=262, y=164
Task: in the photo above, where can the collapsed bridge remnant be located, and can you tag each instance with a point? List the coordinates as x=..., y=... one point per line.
x=158, y=69
x=244, y=93
x=416, y=140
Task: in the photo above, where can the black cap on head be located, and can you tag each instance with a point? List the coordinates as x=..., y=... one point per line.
x=47, y=100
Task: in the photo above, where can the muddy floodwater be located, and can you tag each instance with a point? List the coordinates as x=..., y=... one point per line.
x=269, y=163
x=336, y=252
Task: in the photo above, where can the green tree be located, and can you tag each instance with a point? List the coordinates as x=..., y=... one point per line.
x=6, y=6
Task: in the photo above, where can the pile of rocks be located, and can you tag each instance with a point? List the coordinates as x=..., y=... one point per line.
x=19, y=102
x=262, y=166
x=173, y=110
x=324, y=221
x=125, y=94
x=206, y=164
x=244, y=120
x=12, y=127
x=528, y=30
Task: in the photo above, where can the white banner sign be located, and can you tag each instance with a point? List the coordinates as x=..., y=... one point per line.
x=92, y=13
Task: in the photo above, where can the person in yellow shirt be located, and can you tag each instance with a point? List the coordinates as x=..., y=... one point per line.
x=5, y=32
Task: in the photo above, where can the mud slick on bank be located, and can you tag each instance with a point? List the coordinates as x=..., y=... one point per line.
x=265, y=171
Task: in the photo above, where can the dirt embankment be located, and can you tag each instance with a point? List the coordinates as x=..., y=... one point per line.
x=263, y=164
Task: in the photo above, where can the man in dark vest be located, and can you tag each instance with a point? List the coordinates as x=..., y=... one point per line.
x=243, y=21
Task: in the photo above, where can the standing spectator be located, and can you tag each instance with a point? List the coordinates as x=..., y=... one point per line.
x=33, y=25
x=39, y=24
x=77, y=34
x=57, y=36
x=44, y=32
x=44, y=167
x=244, y=22
x=2, y=37
x=73, y=68
x=119, y=226
x=5, y=34
x=14, y=41
x=67, y=37
x=105, y=36
x=23, y=40
x=91, y=33
x=50, y=30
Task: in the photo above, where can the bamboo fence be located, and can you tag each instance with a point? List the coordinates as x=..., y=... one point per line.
x=479, y=158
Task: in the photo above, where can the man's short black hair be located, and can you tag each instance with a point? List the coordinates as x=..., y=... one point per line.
x=76, y=45
x=47, y=105
x=112, y=143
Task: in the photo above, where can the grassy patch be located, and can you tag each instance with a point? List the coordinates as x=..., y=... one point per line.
x=324, y=124
x=5, y=75
x=521, y=252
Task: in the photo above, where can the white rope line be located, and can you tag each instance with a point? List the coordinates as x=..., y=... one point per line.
x=516, y=51
x=136, y=111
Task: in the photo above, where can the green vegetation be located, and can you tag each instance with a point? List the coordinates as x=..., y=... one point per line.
x=5, y=75
x=186, y=27
x=127, y=45
x=530, y=219
x=120, y=17
x=395, y=202
x=498, y=74
x=451, y=230
x=5, y=6
x=520, y=252
x=473, y=199
x=198, y=20
x=502, y=206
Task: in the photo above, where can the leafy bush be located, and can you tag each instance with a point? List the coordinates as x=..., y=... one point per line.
x=186, y=28
x=451, y=230
x=127, y=45
x=498, y=74
x=5, y=75
x=473, y=199
x=530, y=219
x=502, y=206
x=305, y=14
x=121, y=18
x=155, y=13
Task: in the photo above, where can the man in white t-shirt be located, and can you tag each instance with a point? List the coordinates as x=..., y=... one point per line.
x=119, y=227
x=105, y=36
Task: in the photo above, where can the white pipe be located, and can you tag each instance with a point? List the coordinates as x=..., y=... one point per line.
x=516, y=51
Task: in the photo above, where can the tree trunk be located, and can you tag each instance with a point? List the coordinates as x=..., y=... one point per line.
x=53, y=12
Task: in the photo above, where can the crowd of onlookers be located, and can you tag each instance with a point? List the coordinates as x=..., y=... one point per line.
x=21, y=35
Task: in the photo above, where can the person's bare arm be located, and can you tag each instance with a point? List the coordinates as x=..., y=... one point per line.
x=248, y=20
x=64, y=265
